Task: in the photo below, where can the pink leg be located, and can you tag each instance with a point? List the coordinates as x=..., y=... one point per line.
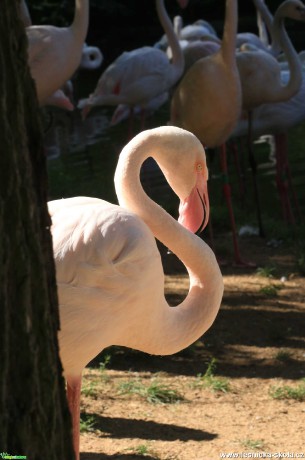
x=73, y=396
x=131, y=123
x=284, y=179
x=143, y=119
x=227, y=193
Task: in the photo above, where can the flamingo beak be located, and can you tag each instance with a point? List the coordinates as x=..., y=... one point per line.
x=194, y=211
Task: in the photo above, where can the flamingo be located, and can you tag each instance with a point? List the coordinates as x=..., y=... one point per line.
x=198, y=49
x=25, y=14
x=61, y=100
x=92, y=57
x=264, y=24
x=137, y=76
x=192, y=38
x=207, y=101
x=54, y=53
x=276, y=119
x=200, y=30
x=122, y=111
x=109, y=272
x=260, y=75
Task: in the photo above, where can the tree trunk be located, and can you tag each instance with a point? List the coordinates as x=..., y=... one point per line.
x=34, y=417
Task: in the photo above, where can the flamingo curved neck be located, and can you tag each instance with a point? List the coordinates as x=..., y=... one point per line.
x=173, y=42
x=267, y=19
x=131, y=196
x=81, y=20
x=228, y=45
x=295, y=65
x=174, y=328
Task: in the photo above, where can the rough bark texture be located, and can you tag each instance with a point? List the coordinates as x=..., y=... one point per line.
x=34, y=418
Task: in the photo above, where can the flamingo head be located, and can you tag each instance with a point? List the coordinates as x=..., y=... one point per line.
x=194, y=210
x=294, y=9
x=184, y=166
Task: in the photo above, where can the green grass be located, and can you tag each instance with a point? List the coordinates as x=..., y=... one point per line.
x=155, y=393
x=90, y=390
x=87, y=423
x=142, y=450
x=266, y=272
x=209, y=380
x=270, y=291
x=283, y=355
x=253, y=444
x=300, y=258
x=288, y=392
x=103, y=367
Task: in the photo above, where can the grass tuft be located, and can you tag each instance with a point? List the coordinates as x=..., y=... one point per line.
x=156, y=392
x=286, y=392
x=87, y=423
x=209, y=380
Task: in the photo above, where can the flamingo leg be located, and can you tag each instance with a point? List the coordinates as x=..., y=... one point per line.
x=73, y=397
x=284, y=179
x=131, y=123
x=241, y=178
x=253, y=165
x=227, y=193
x=143, y=118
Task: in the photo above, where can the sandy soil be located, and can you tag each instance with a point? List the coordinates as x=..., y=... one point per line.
x=257, y=341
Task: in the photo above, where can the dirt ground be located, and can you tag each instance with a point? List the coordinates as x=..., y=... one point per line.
x=251, y=402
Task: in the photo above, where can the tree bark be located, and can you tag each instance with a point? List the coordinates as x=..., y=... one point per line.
x=34, y=417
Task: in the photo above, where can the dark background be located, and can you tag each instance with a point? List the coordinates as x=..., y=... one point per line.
x=122, y=25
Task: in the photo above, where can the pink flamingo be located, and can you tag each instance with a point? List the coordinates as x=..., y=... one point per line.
x=54, y=53
x=109, y=273
x=138, y=76
x=276, y=119
x=207, y=102
x=260, y=76
x=264, y=24
x=122, y=111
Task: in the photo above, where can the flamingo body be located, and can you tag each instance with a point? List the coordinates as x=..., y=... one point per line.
x=102, y=252
x=260, y=72
x=54, y=53
x=122, y=111
x=207, y=100
x=136, y=77
x=108, y=268
x=273, y=118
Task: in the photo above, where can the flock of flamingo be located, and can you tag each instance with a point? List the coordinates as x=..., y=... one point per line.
x=108, y=268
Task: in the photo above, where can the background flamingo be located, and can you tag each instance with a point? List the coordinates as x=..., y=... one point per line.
x=260, y=75
x=276, y=119
x=207, y=101
x=121, y=113
x=266, y=34
x=109, y=272
x=54, y=53
x=137, y=76
x=92, y=57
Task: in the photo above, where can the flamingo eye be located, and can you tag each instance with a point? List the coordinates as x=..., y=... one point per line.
x=199, y=167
